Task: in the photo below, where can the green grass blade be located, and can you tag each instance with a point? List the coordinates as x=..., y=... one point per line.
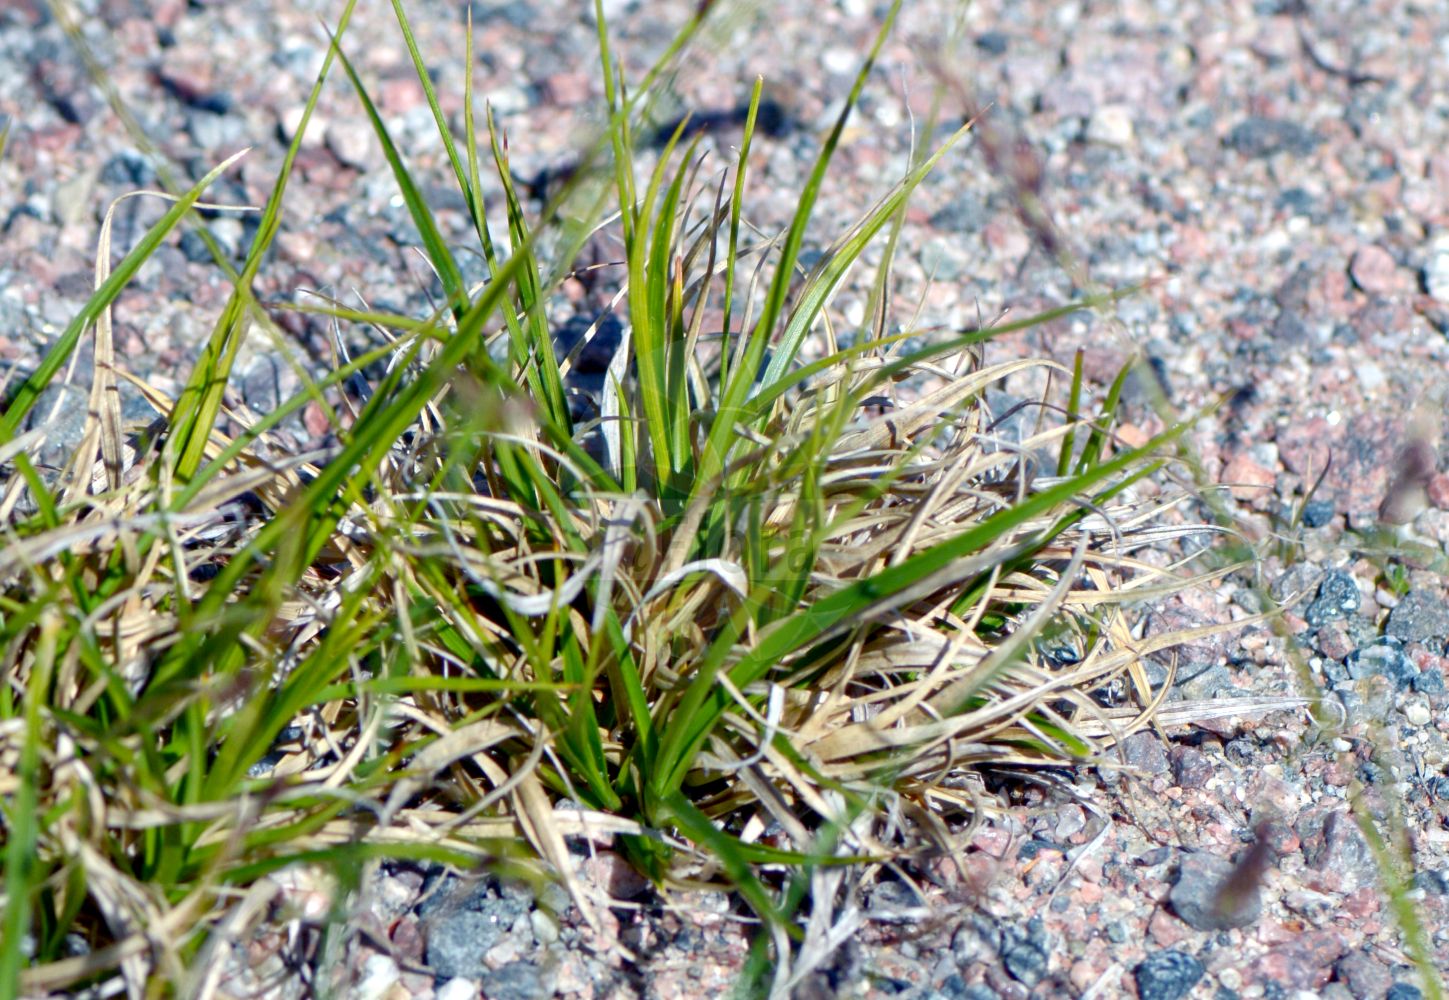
x=197, y=407
x=436, y=248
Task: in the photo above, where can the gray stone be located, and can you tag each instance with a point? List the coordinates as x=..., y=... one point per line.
x=1200, y=899
x=1420, y=616
x=1265, y=136
x=1384, y=658
x=1338, y=597
x=1167, y=975
x=1026, y=963
x=1333, y=844
x=516, y=981
x=457, y=942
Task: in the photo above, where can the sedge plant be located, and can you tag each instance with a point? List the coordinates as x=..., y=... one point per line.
x=773, y=572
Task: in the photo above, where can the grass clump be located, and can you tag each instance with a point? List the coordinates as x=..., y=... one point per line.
x=729, y=588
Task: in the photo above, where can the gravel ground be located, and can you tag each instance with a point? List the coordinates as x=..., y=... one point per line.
x=1282, y=166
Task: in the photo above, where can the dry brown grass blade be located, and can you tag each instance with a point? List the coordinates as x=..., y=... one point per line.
x=539, y=823
x=905, y=425
x=457, y=744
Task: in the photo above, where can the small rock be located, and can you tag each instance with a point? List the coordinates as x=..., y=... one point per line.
x=1338, y=597
x=1265, y=136
x=1167, y=975
x=71, y=201
x=993, y=43
x=1404, y=991
x=1384, y=658
x=1305, y=962
x=1026, y=962
x=458, y=942
x=290, y=119
x=1317, y=513
x=1144, y=750
x=352, y=143
x=1436, y=270
x=379, y=973
x=1111, y=125
x=1190, y=767
x=457, y=989
x=1420, y=616
x=1333, y=641
x=1246, y=478
x=1438, y=490
x=1297, y=584
x=615, y=875
x=1428, y=682
x=1365, y=975
x=1375, y=271
x=1198, y=898
x=516, y=981
x=1333, y=845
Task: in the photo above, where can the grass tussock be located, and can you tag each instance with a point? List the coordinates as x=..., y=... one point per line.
x=766, y=573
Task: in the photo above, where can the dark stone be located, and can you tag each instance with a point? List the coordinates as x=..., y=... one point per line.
x=1190, y=767
x=1294, y=584
x=1435, y=883
x=1026, y=962
x=1403, y=991
x=194, y=248
x=1317, y=513
x=1265, y=136
x=1289, y=328
x=595, y=356
x=1167, y=975
x=1144, y=750
x=1383, y=658
x=1419, y=617
x=516, y=981
x=128, y=169
x=993, y=43
x=1338, y=597
x=1199, y=897
x=1296, y=201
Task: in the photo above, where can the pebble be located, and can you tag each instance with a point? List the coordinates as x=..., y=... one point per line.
x=458, y=942
x=1196, y=895
x=1167, y=975
x=1258, y=136
x=1420, y=616
x=1026, y=962
x=1338, y=597
x=457, y=989
x=1246, y=479
x=516, y=981
x=379, y=973
x=1111, y=125
x=352, y=142
x=1375, y=271
x=1436, y=270
x=1333, y=846
x=1317, y=513
x=1384, y=658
